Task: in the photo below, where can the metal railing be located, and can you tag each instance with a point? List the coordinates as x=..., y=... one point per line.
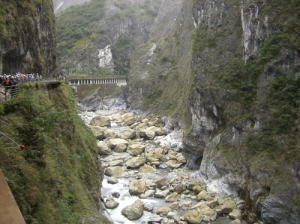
x=8, y=92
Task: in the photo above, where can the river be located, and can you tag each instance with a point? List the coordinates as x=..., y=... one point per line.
x=146, y=180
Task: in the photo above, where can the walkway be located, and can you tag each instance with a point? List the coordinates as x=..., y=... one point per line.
x=9, y=210
x=95, y=81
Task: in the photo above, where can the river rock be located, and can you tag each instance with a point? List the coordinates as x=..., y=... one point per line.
x=213, y=204
x=163, y=211
x=237, y=221
x=128, y=119
x=198, y=188
x=100, y=121
x=147, y=133
x=116, y=194
x=148, y=207
x=117, y=162
x=137, y=187
x=98, y=132
x=179, y=188
x=227, y=207
x=174, y=164
x=193, y=217
x=103, y=149
x=153, y=157
x=136, y=149
x=118, y=144
x=147, y=194
x=161, y=194
x=134, y=211
x=207, y=213
x=128, y=134
x=173, y=197
x=174, y=206
x=157, y=130
x=235, y=214
x=147, y=169
x=161, y=183
x=112, y=180
x=111, y=203
x=109, y=133
x=116, y=171
x=203, y=195
x=116, y=117
x=135, y=162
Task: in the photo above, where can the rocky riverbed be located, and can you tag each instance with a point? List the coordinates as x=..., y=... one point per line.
x=146, y=180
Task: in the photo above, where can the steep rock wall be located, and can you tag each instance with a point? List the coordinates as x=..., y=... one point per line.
x=60, y=5
x=86, y=31
x=244, y=103
x=27, y=40
x=56, y=179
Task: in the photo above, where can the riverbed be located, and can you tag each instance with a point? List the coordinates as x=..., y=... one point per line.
x=146, y=180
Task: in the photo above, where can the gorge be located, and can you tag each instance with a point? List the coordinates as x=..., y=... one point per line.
x=222, y=75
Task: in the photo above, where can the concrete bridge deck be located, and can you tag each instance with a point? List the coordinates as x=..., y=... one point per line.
x=95, y=81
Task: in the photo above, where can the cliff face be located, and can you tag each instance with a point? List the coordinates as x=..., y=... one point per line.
x=27, y=33
x=60, y=5
x=245, y=103
x=227, y=71
x=57, y=177
x=99, y=36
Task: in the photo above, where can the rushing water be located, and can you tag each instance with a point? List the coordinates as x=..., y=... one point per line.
x=173, y=140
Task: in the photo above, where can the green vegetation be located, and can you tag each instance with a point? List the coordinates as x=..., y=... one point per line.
x=121, y=53
x=16, y=15
x=18, y=30
x=77, y=24
x=260, y=98
x=56, y=179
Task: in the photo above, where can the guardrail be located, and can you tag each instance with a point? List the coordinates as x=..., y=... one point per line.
x=8, y=92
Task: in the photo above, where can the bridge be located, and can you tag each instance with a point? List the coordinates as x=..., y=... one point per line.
x=97, y=81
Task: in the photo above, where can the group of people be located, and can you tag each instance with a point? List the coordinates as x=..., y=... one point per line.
x=11, y=80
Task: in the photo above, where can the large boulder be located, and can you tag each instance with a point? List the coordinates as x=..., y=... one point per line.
x=203, y=195
x=111, y=203
x=98, y=132
x=103, y=149
x=207, y=213
x=161, y=194
x=137, y=187
x=173, y=197
x=136, y=149
x=147, y=133
x=134, y=211
x=147, y=169
x=100, y=121
x=151, y=132
x=109, y=133
x=128, y=134
x=174, y=164
x=161, y=183
x=118, y=144
x=227, y=207
x=153, y=157
x=116, y=171
x=135, y=162
x=163, y=211
x=193, y=217
x=128, y=119
x=235, y=214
